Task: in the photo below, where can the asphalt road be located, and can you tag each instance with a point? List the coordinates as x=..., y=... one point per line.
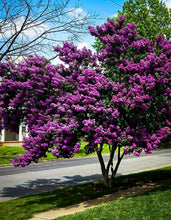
x=36, y=178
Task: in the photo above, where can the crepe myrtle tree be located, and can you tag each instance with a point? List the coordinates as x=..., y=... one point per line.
x=118, y=97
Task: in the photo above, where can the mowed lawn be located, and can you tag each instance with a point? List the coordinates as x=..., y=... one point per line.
x=7, y=153
x=153, y=205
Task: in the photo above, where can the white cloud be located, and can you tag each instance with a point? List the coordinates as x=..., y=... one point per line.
x=32, y=29
x=17, y=59
x=75, y=11
x=81, y=45
x=168, y=3
x=78, y=13
x=57, y=61
x=114, y=15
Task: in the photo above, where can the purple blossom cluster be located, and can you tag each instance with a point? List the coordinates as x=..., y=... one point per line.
x=120, y=96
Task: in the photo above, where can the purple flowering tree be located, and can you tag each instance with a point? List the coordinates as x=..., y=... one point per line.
x=118, y=97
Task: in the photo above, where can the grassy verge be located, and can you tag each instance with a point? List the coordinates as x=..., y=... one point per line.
x=152, y=205
x=6, y=153
x=23, y=208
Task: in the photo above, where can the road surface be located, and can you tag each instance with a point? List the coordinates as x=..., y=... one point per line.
x=37, y=178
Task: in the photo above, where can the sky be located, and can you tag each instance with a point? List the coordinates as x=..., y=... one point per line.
x=101, y=8
x=104, y=9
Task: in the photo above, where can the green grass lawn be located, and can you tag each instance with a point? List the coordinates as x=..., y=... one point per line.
x=153, y=205
x=23, y=208
x=6, y=153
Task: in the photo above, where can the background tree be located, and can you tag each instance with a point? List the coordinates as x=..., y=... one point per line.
x=34, y=26
x=119, y=97
x=151, y=17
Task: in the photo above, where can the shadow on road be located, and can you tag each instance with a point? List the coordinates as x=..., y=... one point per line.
x=44, y=185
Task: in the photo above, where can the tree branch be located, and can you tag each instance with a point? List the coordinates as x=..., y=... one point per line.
x=28, y=13
x=45, y=21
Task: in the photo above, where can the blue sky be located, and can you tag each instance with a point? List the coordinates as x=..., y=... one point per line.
x=102, y=8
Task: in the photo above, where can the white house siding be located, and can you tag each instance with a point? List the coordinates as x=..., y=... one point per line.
x=8, y=138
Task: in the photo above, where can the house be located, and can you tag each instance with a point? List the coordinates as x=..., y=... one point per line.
x=8, y=138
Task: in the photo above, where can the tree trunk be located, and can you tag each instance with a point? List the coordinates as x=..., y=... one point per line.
x=102, y=164
x=108, y=182
x=120, y=157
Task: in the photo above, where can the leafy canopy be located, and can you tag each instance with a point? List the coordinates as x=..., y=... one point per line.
x=151, y=17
